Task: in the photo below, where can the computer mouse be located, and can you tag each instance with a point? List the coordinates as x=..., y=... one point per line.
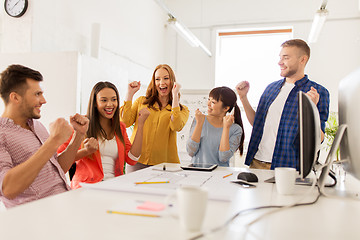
x=248, y=176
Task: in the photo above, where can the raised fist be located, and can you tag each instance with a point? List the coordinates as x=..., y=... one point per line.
x=228, y=121
x=133, y=87
x=91, y=145
x=80, y=123
x=143, y=115
x=176, y=88
x=60, y=130
x=199, y=116
x=242, y=88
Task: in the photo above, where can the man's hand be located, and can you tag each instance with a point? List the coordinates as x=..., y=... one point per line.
x=60, y=130
x=313, y=95
x=91, y=145
x=80, y=123
x=242, y=88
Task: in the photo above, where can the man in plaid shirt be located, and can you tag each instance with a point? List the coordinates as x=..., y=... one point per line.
x=274, y=139
x=30, y=169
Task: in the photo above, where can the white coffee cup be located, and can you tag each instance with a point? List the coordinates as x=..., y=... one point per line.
x=191, y=205
x=285, y=180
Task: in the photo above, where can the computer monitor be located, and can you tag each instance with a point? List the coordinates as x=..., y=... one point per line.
x=310, y=134
x=348, y=134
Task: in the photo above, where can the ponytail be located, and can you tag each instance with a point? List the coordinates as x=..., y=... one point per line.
x=228, y=98
x=238, y=120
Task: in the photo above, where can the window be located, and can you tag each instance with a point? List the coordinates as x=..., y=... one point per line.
x=250, y=55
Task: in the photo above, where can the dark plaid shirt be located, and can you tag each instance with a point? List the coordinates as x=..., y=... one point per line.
x=286, y=151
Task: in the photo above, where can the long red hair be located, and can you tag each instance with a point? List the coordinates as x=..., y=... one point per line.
x=152, y=95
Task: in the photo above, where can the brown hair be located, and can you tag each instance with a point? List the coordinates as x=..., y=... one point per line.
x=13, y=79
x=152, y=95
x=95, y=130
x=301, y=44
x=228, y=99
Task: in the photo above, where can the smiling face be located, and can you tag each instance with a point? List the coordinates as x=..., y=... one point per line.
x=162, y=82
x=216, y=108
x=291, y=62
x=32, y=100
x=106, y=103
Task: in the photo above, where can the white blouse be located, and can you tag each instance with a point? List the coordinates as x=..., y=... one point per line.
x=109, y=154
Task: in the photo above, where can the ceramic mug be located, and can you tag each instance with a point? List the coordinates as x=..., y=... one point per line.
x=285, y=180
x=191, y=206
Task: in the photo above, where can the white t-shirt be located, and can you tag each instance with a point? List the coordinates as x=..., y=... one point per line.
x=109, y=154
x=272, y=121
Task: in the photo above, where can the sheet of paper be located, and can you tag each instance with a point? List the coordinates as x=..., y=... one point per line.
x=220, y=188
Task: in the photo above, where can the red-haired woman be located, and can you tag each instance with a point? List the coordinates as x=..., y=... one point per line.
x=167, y=116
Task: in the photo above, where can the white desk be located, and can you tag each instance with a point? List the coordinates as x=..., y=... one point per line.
x=81, y=214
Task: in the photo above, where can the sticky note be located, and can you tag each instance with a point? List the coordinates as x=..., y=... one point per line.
x=151, y=206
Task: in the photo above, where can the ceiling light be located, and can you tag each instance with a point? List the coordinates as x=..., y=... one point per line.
x=319, y=20
x=182, y=30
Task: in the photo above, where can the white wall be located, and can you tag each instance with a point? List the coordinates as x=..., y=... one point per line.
x=59, y=84
x=116, y=70
x=129, y=29
x=334, y=55
x=131, y=41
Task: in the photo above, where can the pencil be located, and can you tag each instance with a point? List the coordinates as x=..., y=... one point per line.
x=228, y=175
x=133, y=214
x=151, y=182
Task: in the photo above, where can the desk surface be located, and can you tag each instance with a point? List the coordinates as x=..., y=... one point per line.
x=81, y=214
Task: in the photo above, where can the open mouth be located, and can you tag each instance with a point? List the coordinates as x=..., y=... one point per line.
x=163, y=89
x=109, y=111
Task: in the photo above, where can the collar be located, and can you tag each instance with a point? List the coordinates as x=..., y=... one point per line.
x=156, y=105
x=298, y=83
x=302, y=81
x=9, y=121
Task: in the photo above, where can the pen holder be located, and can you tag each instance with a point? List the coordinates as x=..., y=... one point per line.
x=191, y=205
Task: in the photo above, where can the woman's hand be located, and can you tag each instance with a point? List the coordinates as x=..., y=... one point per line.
x=199, y=116
x=133, y=87
x=176, y=89
x=91, y=145
x=143, y=115
x=228, y=121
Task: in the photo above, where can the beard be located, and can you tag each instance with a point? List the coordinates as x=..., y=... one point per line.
x=289, y=73
x=29, y=111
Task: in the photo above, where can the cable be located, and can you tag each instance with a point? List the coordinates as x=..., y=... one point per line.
x=281, y=207
x=230, y=220
x=319, y=167
x=333, y=176
x=355, y=197
x=291, y=205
